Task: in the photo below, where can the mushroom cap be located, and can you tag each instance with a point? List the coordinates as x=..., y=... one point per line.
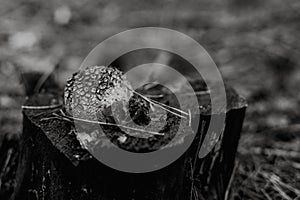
x=93, y=89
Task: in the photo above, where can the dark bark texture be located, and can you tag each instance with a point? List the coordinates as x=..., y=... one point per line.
x=52, y=164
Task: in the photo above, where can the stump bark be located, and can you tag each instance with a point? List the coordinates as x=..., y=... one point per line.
x=52, y=164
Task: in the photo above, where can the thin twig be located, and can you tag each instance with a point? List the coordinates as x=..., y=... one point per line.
x=156, y=96
x=180, y=94
x=103, y=123
x=190, y=118
x=195, y=93
x=170, y=107
x=159, y=104
x=42, y=107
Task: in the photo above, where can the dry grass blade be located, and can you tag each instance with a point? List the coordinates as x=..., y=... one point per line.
x=278, y=184
x=277, y=179
x=170, y=107
x=275, y=152
x=154, y=96
x=190, y=118
x=281, y=192
x=195, y=93
x=68, y=118
x=42, y=107
x=266, y=194
x=163, y=106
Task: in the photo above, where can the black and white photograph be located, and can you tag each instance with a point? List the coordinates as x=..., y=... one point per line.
x=149, y=100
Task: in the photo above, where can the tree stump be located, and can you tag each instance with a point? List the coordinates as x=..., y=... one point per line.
x=53, y=165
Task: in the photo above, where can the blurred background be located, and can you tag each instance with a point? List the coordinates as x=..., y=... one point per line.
x=255, y=44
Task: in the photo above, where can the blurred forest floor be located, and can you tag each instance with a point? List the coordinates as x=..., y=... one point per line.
x=255, y=44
